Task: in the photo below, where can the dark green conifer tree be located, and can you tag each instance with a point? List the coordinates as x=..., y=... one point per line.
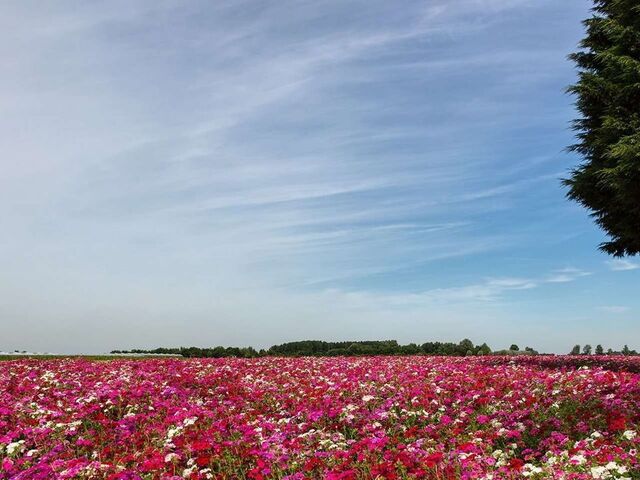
x=607, y=183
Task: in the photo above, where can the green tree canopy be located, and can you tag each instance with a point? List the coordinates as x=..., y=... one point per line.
x=608, y=98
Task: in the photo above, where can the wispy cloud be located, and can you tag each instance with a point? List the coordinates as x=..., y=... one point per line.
x=564, y=275
x=163, y=156
x=485, y=292
x=271, y=153
x=622, y=265
x=489, y=290
x=614, y=309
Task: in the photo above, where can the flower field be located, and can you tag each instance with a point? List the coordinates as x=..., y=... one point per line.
x=324, y=418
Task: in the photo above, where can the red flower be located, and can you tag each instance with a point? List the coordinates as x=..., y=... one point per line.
x=617, y=423
x=200, y=445
x=154, y=462
x=433, y=459
x=516, y=464
x=311, y=464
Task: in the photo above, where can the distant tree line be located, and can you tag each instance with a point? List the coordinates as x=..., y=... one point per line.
x=319, y=348
x=197, y=352
x=588, y=350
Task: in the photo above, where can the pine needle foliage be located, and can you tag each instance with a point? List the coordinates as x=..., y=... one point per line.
x=607, y=93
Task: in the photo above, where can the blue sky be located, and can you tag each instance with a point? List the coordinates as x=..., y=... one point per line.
x=250, y=172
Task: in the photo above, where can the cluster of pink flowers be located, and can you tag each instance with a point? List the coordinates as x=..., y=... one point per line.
x=317, y=418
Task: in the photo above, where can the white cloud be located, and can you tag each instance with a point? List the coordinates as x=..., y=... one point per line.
x=614, y=309
x=622, y=265
x=491, y=289
x=566, y=275
x=487, y=291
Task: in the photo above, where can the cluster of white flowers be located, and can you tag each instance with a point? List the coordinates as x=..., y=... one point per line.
x=172, y=432
x=495, y=423
x=48, y=376
x=189, y=421
x=528, y=470
x=346, y=414
x=610, y=470
x=88, y=399
x=552, y=460
x=14, y=447
x=330, y=444
x=187, y=472
x=630, y=434
x=415, y=413
x=501, y=457
x=206, y=472
x=309, y=433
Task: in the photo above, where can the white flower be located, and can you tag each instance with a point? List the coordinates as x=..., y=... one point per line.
x=629, y=434
x=599, y=472
x=367, y=398
x=15, y=447
x=170, y=457
x=186, y=473
x=189, y=421
x=532, y=468
x=552, y=460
